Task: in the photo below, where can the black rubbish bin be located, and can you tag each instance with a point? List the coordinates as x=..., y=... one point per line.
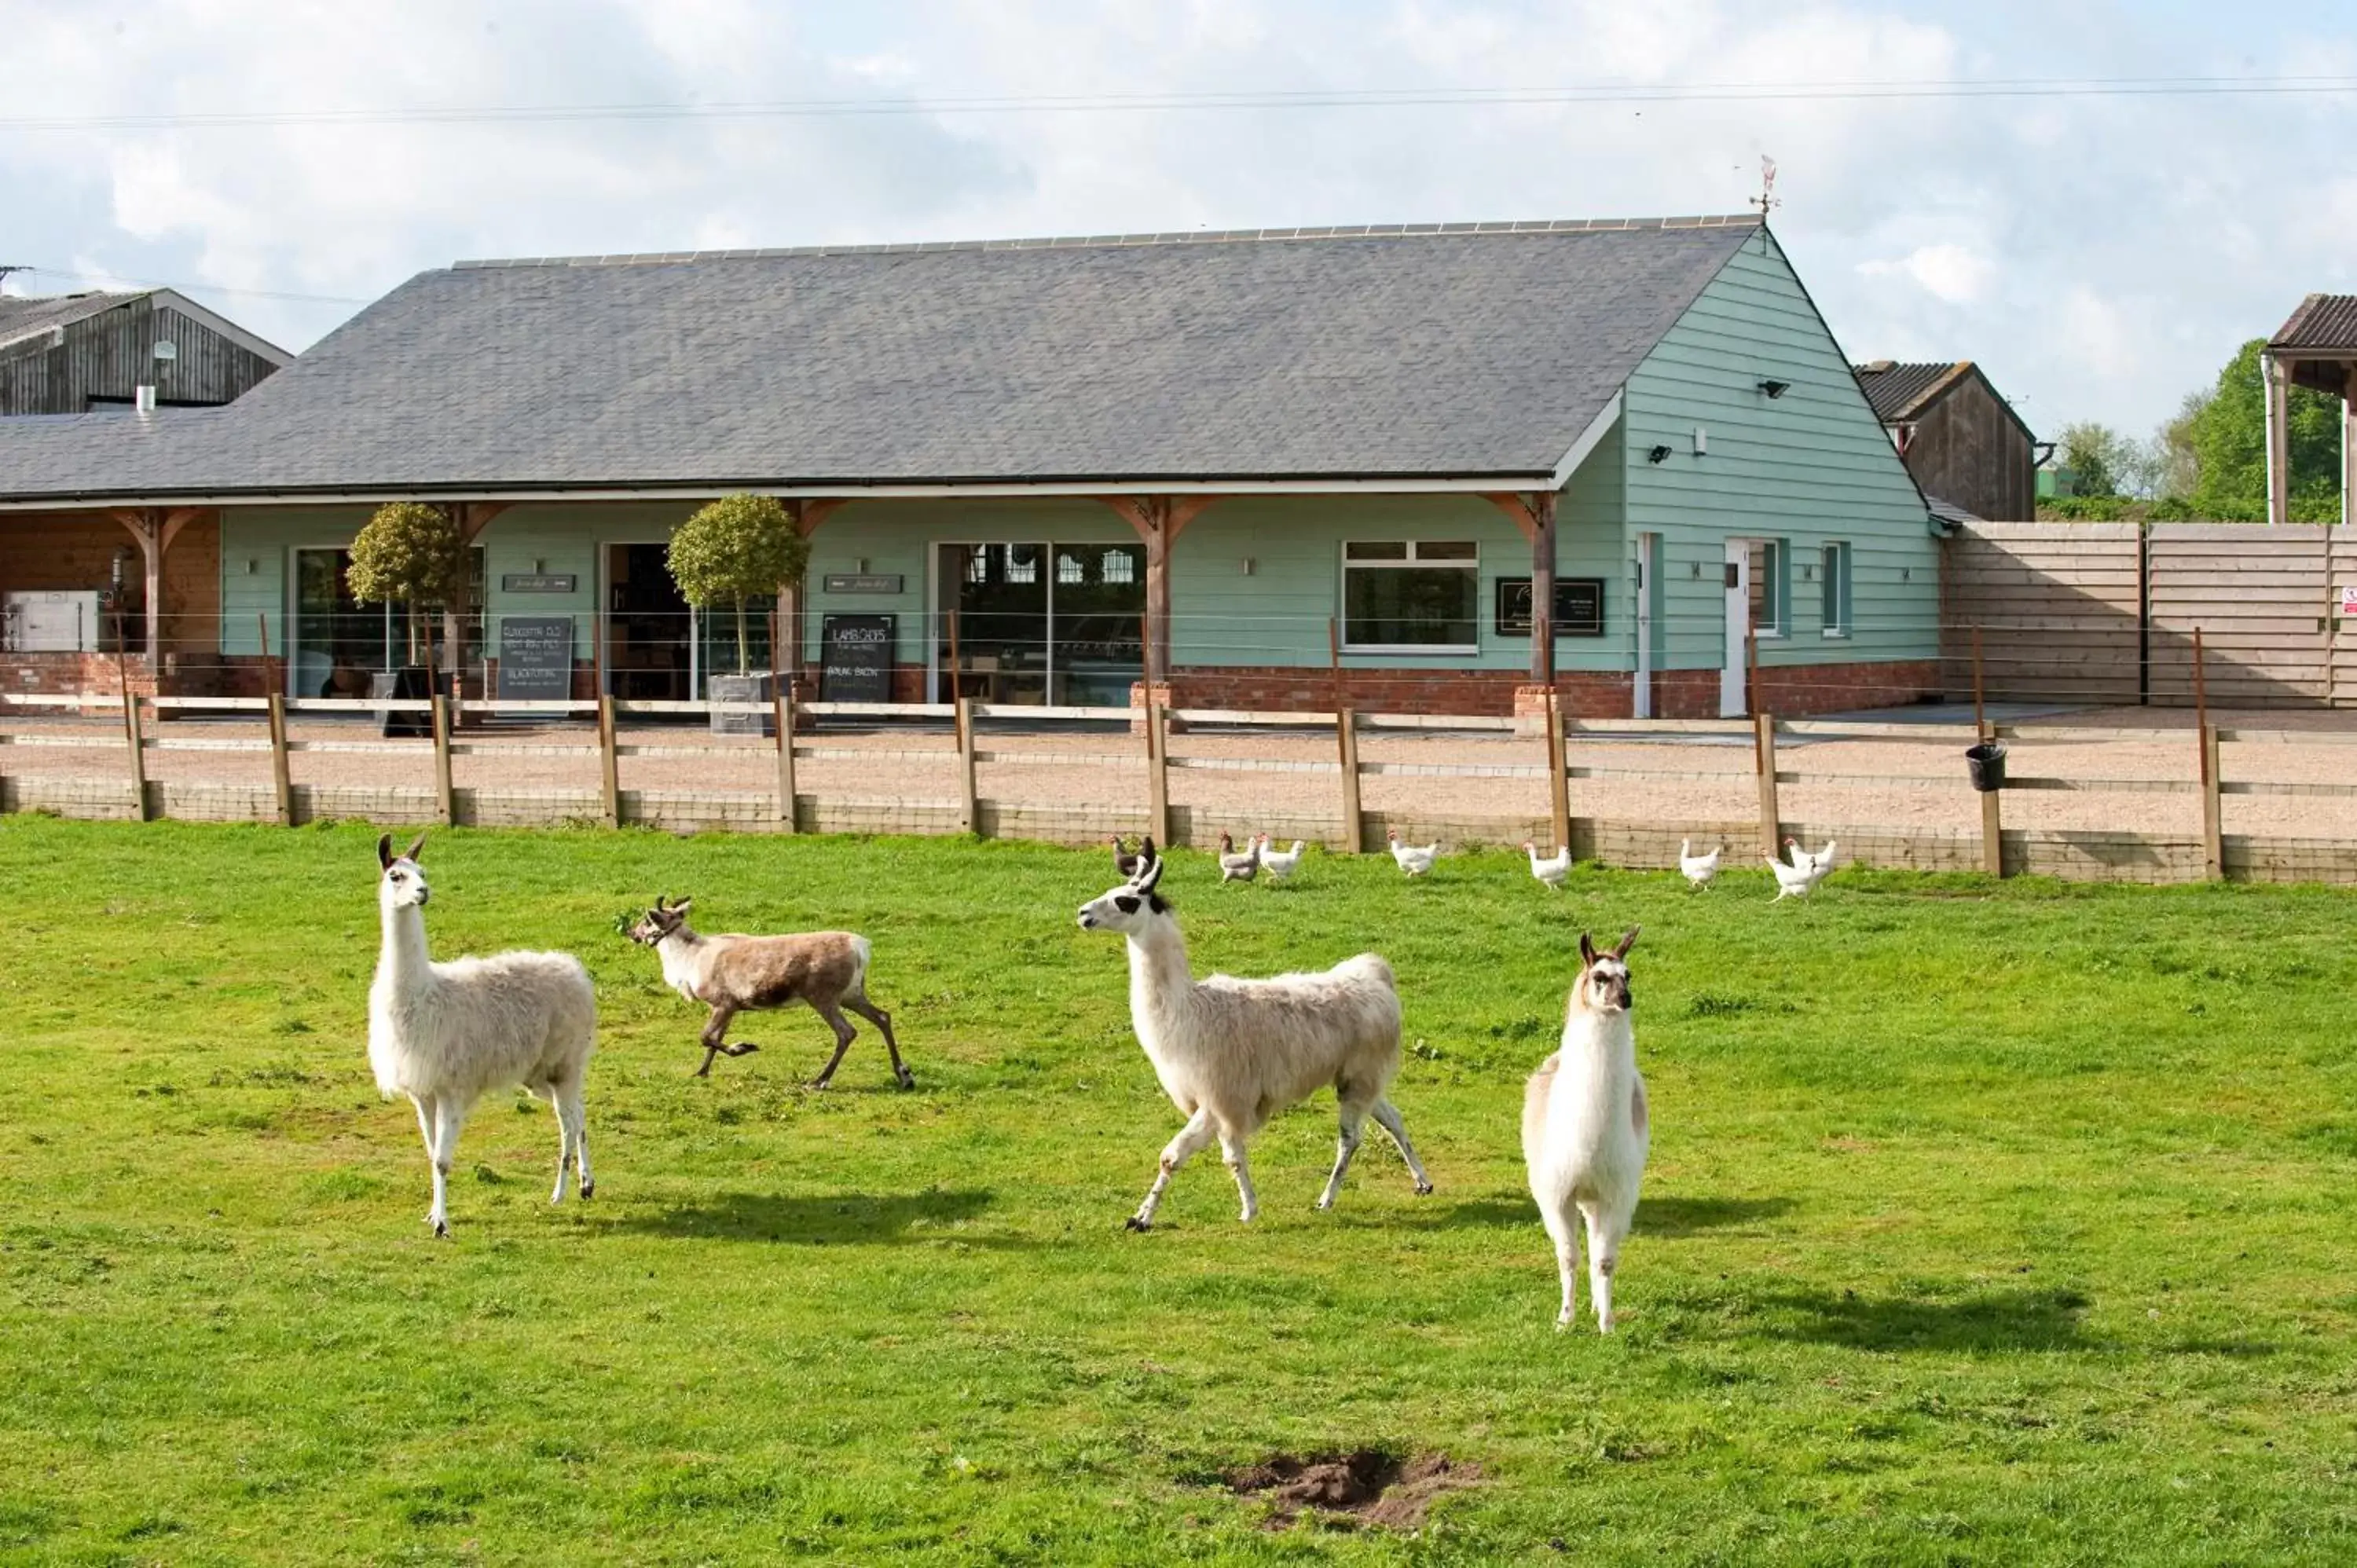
x=1986, y=762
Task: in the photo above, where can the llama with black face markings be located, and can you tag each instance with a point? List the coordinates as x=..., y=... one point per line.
x=1232, y=1053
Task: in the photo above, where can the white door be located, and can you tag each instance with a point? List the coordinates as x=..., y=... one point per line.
x=1649, y=550
x=1731, y=695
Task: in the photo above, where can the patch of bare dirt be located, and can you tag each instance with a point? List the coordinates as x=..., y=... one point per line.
x=1368, y=1485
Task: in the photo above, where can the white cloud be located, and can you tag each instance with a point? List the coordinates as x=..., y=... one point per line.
x=2100, y=255
x=1951, y=273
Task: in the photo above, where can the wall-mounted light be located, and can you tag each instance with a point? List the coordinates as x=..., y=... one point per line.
x=1696, y=573
x=1251, y=565
x=1658, y=454
x=251, y=566
x=1775, y=389
x=1701, y=442
x=538, y=565
x=863, y=565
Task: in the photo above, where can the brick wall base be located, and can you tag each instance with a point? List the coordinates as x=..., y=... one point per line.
x=1793, y=690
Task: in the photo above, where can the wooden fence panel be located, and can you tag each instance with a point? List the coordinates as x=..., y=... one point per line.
x=2257, y=594
x=2341, y=677
x=2058, y=606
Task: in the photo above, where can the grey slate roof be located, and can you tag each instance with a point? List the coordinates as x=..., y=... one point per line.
x=23, y=315
x=1459, y=352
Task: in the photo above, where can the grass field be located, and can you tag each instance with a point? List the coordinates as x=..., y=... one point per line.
x=1983, y=1224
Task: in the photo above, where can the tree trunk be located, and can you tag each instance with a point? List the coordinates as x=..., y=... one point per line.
x=741, y=663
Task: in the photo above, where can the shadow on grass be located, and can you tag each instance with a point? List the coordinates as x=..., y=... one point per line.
x=850, y=1219
x=1685, y=1216
x=1989, y=1320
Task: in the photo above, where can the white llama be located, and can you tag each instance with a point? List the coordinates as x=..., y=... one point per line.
x=1585, y=1129
x=447, y=1034
x=1232, y=1053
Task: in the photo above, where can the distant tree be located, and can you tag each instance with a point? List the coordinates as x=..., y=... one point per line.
x=2228, y=436
x=408, y=553
x=739, y=548
x=2098, y=456
x=2175, y=466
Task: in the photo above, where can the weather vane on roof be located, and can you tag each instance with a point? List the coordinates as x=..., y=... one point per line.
x=1766, y=200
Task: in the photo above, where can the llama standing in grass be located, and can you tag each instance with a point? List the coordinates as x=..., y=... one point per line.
x=1585, y=1129
x=1232, y=1053
x=447, y=1034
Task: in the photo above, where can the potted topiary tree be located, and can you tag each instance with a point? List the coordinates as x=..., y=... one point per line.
x=408, y=553
x=738, y=548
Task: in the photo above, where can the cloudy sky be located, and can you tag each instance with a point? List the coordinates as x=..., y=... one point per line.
x=2100, y=252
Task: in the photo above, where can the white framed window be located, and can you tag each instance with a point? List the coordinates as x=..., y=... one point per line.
x=1836, y=589
x=1772, y=586
x=1411, y=597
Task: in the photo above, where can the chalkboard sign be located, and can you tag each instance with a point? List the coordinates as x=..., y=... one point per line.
x=858, y=666
x=536, y=657
x=1578, y=606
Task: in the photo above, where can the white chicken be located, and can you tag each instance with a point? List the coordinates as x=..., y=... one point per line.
x=1278, y=863
x=1413, y=860
x=1822, y=861
x=1798, y=881
x=1699, y=869
x=1236, y=866
x=1553, y=869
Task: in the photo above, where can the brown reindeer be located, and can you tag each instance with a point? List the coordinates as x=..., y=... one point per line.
x=733, y=974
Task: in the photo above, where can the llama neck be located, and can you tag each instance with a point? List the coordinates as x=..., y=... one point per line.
x=1603, y=1042
x=1159, y=980
x=402, y=963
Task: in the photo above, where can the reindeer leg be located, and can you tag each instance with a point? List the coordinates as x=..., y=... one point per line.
x=843, y=1034
x=883, y=1020
x=715, y=1036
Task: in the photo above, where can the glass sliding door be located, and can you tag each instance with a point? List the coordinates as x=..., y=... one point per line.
x=339, y=642
x=1097, y=612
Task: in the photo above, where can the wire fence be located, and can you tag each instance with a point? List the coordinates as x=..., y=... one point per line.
x=2121, y=796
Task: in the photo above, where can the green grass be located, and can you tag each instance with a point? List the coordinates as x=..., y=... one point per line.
x=1983, y=1224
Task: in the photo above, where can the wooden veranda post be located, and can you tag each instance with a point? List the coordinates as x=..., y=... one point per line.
x=282, y=779
x=1346, y=738
x=1763, y=752
x=471, y=518
x=154, y=528
x=1543, y=556
x=1159, y=520
x=609, y=770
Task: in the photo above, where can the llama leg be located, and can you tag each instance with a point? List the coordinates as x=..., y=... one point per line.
x=448, y=1119
x=1606, y=1228
x=580, y=1138
x=1354, y=1121
x=425, y=1104
x=715, y=1037
x=1387, y=1117
x=1231, y=1150
x=1560, y=1230
x=564, y=1139
x=883, y=1021
x=843, y=1034
x=1180, y=1149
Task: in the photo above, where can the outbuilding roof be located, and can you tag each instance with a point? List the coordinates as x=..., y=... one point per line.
x=1446, y=352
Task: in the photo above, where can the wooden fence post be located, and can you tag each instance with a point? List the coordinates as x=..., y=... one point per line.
x=444, y=795
x=131, y=735
x=969, y=808
x=784, y=701
x=1157, y=771
x=1764, y=751
x=1346, y=737
x=610, y=767
x=1992, y=818
x=282, y=779
x=2213, y=832
x=1558, y=784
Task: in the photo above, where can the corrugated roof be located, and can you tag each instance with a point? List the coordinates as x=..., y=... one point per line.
x=1457, y=351
x=2325, y=323
x=22, y=317
x=1899, y=390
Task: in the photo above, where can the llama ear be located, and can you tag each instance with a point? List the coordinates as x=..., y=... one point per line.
x=417, y=847
x=1587, y=951
x=384, y=851
x=1626, y=942
x=683, y=907
x=1146, y=878
x=1146, y=851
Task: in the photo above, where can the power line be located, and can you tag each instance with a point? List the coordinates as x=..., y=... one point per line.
x=185, y=287
x=1098, y=103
